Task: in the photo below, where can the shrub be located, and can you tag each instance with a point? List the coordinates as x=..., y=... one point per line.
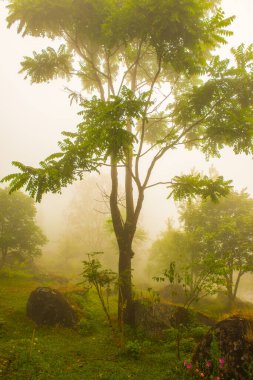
x=133, y=349
x=199, y=332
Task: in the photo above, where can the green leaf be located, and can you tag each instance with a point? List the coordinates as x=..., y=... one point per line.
x=192, y=186
x=48, y=65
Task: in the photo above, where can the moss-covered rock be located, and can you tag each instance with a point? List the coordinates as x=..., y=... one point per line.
x=47, y=306
x=233, y=338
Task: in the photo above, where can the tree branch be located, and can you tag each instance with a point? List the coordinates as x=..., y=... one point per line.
x=144, y=118
x=115, y=212
x=134, y=64
x=165, y=97
x=110, y=81
x=90, y=61
x=159, y=183
x=166, y=148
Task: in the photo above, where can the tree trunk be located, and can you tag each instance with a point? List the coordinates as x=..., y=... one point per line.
x=4, y=252
x=124, y=232
x=230, y=294
x=125, y=304
x=231, y=301
x=239, y=275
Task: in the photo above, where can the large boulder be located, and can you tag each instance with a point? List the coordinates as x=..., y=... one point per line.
x=157, y=317
x=47, y=306
x=233, y=338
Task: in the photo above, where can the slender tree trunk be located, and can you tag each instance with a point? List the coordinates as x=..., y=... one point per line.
x=125, y=259
x=231, y=301
x=125, y=304
x=230, y=291
x=239, y=275
x=125, y=231
x=124, y=235
x=126, y=253
x=4, y=252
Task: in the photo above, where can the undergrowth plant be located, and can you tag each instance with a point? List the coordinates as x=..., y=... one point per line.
x=213, y=368
x=103, y=280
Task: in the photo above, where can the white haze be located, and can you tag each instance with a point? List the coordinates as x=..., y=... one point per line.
x=32, y=118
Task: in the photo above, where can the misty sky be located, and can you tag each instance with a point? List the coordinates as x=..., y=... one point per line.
x=32, y=118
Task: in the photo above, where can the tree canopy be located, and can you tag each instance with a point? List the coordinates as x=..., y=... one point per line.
x=20, y=237
x=214, y=244
x=182, y=32
x=223, y=233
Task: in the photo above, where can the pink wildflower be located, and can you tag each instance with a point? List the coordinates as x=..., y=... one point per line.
x=222, y=362
x=197, y=370
x=187, y=365
x=208, y=364
x=202, y=374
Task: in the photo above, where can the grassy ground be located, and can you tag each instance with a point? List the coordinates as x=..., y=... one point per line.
x=85, y=353
x=88, y=352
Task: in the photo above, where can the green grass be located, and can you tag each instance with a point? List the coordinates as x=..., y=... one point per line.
x=37, y=353
x=88, y=352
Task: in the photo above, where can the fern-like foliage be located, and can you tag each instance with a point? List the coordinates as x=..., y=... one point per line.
x=102, y=133
x=219, y=112
x=52, y=175
x=47, y=65
x=105, y=123
x=197, y=186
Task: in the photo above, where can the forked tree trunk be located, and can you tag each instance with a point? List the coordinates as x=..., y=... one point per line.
x=124, y=232
x=232, y=289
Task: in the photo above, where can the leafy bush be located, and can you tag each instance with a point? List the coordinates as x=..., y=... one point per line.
x=198, y=332
x=87, y=327
x=187, y=345
x=133, y=349
x=171, y=334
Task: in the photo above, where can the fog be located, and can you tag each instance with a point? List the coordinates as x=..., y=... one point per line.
x=33, y=116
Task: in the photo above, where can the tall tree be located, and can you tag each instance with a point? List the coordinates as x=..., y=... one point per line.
x=221, y=235
x=177, y=258
x=20, y=237
x=142, y=62
x=213, y=248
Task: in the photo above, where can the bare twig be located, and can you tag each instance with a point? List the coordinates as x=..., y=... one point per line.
x=159, y=183
x=165, y=97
